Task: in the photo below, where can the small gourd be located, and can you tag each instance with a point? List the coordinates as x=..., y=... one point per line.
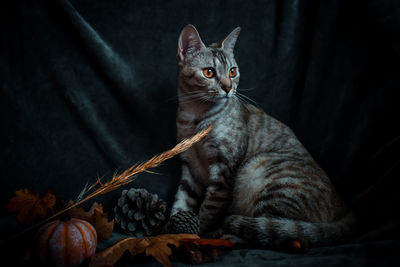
x=66, y=243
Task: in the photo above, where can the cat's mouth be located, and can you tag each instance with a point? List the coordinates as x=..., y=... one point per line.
x=227, y=93
x=221, y=95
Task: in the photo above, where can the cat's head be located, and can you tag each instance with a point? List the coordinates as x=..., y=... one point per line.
x=209, y=73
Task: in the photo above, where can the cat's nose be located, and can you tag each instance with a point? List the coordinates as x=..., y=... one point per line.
x=226, y=84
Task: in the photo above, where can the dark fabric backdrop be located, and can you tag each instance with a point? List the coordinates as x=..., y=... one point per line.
x=89, y=87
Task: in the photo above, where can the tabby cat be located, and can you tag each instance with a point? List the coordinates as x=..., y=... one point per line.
x=250, y=175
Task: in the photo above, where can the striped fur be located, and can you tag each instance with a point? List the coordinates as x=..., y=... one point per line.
x=250, y=174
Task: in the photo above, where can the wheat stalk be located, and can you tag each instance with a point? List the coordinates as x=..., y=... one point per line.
x=125, y=177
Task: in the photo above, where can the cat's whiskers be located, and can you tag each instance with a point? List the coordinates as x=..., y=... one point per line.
x=184, y=95
x=202, y=97
x=247, y=99
x=241, y=101
x=245, y=89
x=213, y=93
x=191, y=94
x=190, y=100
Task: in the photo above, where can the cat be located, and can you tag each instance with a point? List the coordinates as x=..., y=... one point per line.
x=250, y=175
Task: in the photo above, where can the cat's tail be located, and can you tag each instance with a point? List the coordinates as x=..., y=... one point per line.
x=276, y=231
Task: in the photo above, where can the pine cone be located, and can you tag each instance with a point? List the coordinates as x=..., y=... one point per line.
x=183, y=222
x=139, y=212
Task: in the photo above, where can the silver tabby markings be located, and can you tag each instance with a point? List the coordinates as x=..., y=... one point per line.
x=251, y=174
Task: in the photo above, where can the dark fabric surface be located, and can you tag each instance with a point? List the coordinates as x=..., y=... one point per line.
x=377, y=253
x=89, y=87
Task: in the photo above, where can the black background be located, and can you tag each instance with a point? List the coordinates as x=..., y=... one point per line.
x=89, y=87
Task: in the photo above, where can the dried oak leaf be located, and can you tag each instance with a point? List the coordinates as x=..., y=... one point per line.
x=97, y=217
x=197, y=251
x=210, y=242
x=155, y=246
x=30, y=204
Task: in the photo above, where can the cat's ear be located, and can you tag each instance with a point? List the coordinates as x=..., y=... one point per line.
x=189, y=42
x=229, y=42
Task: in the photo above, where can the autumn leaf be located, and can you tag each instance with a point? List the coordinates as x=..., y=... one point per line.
x=210, y=242
x=198, y=251
x=30, y=204
x=153, y=246
x=97, y=217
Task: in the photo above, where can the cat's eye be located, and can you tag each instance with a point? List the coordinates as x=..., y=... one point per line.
x=232, y=72
x=209, y=72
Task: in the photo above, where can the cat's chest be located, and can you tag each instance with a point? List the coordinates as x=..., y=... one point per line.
x=221, y=148
x=222, y=142
x=225, y=145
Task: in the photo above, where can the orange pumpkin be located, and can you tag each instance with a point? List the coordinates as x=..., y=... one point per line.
x=66, y=243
